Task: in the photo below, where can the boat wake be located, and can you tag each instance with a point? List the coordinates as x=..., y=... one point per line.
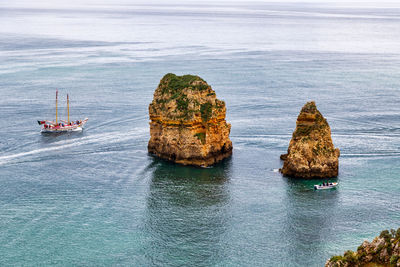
x=101, y=139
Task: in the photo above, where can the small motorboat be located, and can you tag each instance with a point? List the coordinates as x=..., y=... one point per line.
x=326, y=186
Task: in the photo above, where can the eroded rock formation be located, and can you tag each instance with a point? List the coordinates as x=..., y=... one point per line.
x=311, y=153
x=382, y=251
x=188, y=122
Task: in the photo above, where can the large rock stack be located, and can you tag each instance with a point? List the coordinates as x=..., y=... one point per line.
x=188, y=122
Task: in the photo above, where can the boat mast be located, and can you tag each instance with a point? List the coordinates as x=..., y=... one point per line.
x=68, y=107
x=56, y=107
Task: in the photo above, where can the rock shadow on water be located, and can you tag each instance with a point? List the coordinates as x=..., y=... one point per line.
x=187, y=214
x=310, y=221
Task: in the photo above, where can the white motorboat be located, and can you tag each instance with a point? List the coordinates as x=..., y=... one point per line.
x=326, y=186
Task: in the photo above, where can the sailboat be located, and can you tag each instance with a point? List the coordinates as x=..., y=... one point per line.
x=62, y=125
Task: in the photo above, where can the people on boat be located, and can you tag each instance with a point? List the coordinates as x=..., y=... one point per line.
x=326, y=184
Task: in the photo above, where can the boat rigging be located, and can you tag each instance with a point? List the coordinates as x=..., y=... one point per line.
x=62, y=126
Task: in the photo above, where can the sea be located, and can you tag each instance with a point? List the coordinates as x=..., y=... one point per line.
x=97, y=198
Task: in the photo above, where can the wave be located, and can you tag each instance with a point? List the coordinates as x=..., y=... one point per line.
x=119, y=120
x=375, y=154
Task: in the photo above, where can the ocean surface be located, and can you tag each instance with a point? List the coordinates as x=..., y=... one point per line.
x=96, y=198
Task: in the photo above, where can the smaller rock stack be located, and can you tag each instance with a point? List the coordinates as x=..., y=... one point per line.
x=311, y=153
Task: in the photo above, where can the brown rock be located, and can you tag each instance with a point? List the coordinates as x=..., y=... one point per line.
x=382, y=251
x=311, y=153
x=283, y=156
x=188, y=122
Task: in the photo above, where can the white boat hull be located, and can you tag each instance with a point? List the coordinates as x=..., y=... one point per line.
x=62, y=129
x=65, y=128
x=323, y=187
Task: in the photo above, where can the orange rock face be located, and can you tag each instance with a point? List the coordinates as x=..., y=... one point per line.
x=311, y=153
x=188, y=122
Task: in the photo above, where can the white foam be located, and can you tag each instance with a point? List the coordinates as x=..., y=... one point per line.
x=105, y=138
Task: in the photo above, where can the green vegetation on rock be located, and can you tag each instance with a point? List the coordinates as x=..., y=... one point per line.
x=336, y=258
x=319, y=123
x=322, y=150
x=394, y=259
x=219, y=104
x=303, y=130
x=201, y=137
x=206, y=111
x=309, y=107
x=183, y=97
x=182, y=103
x=350, y=257
x=382, y=251
x=174, y=84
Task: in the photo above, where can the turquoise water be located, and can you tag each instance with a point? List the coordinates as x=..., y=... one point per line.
x=97, y=198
